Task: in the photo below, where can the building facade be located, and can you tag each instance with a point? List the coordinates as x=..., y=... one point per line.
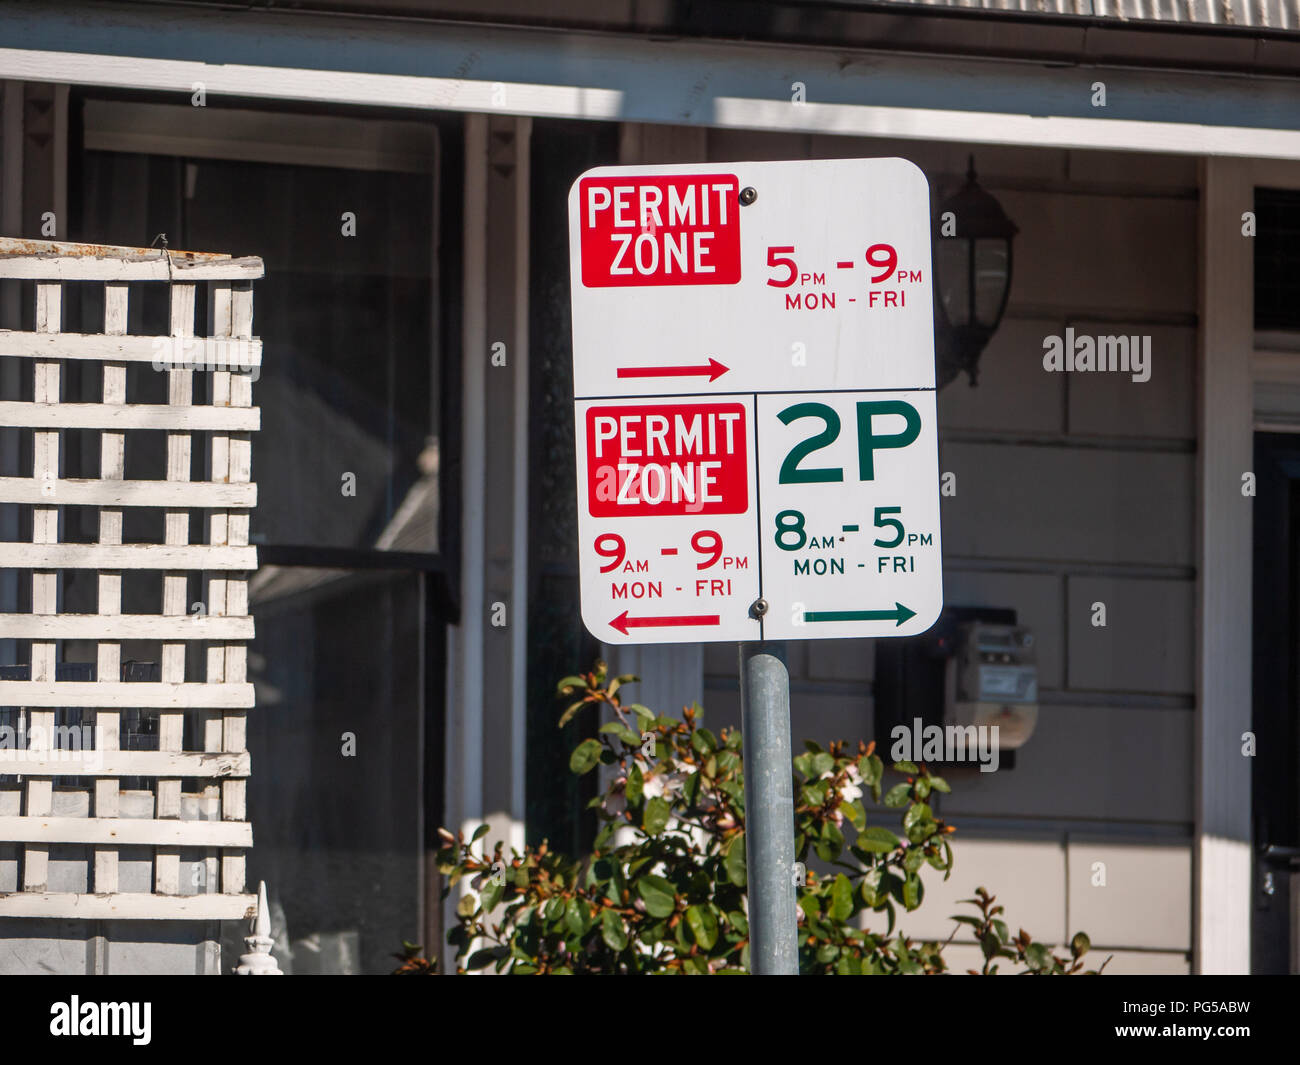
x=403, y=168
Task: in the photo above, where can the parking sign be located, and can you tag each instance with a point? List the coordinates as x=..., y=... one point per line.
x=754, y=401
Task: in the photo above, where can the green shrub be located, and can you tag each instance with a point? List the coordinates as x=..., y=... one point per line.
x=663, y=889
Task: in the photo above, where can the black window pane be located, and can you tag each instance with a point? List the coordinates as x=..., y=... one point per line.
x=1277, y=259
x=347, y=455
x=337, y=756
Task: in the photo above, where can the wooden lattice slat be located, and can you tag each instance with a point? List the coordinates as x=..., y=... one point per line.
x=109, y=626
x=240, y=457
x=166, y=695
x=85, y=492
x=115, y=763
x=45, y=590
x=214, y=819
x=129, y=906
x=157, y=267
x=134, y=416
x=127, y=556
x=192, y=352
x=112, y=469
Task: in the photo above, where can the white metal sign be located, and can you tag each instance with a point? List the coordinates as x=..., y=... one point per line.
x=753, y=360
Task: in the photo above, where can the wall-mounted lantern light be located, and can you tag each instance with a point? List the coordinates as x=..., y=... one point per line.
x=972, y=273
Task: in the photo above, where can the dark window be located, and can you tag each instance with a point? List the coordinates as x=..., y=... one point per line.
x=1277, y=259
x=350, y=598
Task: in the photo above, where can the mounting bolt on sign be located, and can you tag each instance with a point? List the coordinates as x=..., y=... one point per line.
x=757, y=452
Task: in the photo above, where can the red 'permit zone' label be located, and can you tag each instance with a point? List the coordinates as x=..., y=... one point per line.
x=671, y=458
x=667, y=230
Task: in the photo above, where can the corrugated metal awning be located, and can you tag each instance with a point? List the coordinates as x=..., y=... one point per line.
x=1260, y=14
x=759, y=18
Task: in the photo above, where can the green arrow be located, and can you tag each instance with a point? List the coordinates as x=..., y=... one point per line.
x=898, y=615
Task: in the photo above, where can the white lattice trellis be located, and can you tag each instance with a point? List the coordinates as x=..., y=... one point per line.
x=96, y=811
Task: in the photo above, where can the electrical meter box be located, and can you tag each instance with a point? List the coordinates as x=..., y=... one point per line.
x=992, y=680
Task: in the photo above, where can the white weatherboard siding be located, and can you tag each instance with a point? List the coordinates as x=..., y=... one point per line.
x=1071, y=489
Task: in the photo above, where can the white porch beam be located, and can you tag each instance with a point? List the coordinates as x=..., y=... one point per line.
x=254, y=53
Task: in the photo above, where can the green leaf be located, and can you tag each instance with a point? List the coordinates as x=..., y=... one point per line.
x=814, y=794
x=1000, y=927
x=704, y=925
x=734, y=861
x=703, y=741
x=913, y=859
x=657, y=812
x=810, y=906
x=841, y=907
x=804, y=763
x=922, y=787
x=691, y=789
x=831, y=844
x=479, y=833
x=467, y=905
x=577, y=917
x=585, y=756
x=1038, y=957
x=939, y=784
x=822, y=762
x=898, y=795
x=481, y=958
x=492, y=894
x=919, y=823
x=572, y=709
x=913, y=891
x=909, y=966
x=877, y=840
x=1080, y=944
x=568, y=683
x=644, y=714
x=612, y=930
x=635, y=786
x=906, y=767
x=916, y=813
x=658, y=895
x=872, y=889
x=921, y=831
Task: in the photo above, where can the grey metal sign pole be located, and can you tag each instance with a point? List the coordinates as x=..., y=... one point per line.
x=769, y=809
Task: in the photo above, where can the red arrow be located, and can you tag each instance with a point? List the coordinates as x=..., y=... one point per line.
x=623, y=622
x=713, y=371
